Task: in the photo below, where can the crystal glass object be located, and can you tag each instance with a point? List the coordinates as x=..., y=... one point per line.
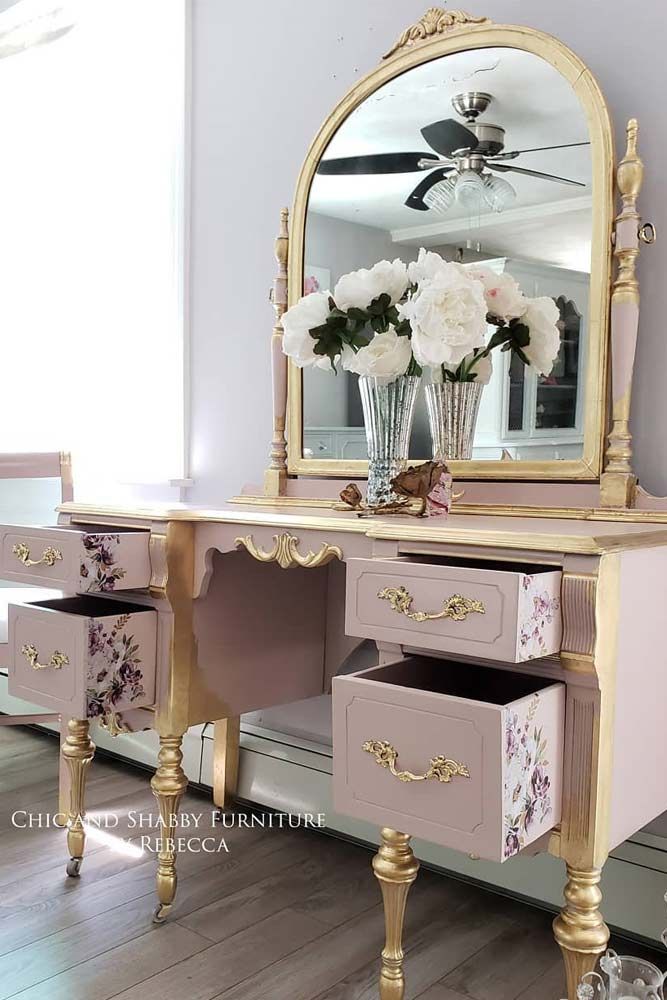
x=441, y=195
x=469, y=188
x=452, y=416
x=498, y=193
x=389, y=409
x=627, y=979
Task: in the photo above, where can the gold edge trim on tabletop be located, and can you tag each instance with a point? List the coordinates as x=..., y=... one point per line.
x=441, y=768
x=286, y=552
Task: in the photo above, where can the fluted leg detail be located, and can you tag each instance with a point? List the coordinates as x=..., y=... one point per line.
x=396, y=868
x=77, y=751
x=579, y=928
x=168, y=783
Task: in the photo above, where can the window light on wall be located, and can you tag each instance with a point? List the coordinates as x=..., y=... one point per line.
x=92, y=169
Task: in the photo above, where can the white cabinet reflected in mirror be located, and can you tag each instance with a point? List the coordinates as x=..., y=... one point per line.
x=399, y=174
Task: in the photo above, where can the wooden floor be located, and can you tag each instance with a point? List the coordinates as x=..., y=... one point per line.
x=285, y=915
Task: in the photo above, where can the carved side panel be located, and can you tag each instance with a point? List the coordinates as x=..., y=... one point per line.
x=578, y=604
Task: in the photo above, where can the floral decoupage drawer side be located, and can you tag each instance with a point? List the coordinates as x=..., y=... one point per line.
x=83, y=655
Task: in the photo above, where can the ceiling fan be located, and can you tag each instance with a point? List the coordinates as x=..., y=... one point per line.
x=461, y=170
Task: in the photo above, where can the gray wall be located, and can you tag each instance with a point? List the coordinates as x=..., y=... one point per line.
x=263, y=82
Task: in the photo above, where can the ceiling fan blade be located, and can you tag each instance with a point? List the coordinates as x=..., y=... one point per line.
x=536, y=149
x=376, y=163
x=416, y=198
x=448, y=136
x=503, y=167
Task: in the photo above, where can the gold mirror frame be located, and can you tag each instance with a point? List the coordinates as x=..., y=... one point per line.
x=442, y=33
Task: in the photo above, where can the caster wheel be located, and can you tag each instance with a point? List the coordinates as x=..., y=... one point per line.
x=160, y=913
x=74, y=867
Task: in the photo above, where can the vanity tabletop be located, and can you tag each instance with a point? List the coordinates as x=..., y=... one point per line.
x=587, y=533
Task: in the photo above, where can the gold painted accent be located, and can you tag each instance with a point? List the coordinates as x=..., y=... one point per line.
x=226, y=736
x=285, y=552
x=457, y=607
x=594, y=385
x=113, y=723
x=618, y=484
x=579, y=928
x=435, y=21
x=50, y=556
x=395, y=868
x=169, y=784
x=275, y=477
x=441, y=768
x=77, y=751
x=57, y=661
x=157, y=553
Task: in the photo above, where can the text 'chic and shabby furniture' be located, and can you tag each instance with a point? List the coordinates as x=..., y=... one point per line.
x=520, y=681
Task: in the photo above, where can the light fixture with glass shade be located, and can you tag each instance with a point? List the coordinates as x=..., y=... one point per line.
x=441, y=195
x=498, y=193
x=469, y=190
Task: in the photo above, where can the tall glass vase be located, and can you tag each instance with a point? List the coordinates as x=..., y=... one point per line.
x=452, y=415
x=389, y=409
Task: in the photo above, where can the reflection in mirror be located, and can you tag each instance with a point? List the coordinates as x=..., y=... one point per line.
x=482, y=156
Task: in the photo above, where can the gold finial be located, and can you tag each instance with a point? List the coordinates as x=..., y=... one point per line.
x=435, y=21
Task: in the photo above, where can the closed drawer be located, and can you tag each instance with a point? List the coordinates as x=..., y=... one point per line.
x=464, y=756
x=83, y=656
x=89, y=559
x=493, y=611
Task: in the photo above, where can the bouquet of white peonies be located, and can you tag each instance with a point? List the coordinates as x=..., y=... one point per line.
x=395, y=319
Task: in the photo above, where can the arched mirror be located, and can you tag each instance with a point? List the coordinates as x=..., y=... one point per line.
x=491, y=146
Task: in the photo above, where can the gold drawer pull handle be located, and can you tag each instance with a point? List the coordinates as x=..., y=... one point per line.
x=57, y=661
x=441, y=768
x=50, y=556
x=457, y=607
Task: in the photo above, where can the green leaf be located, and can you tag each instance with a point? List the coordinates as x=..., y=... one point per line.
x=520, y=333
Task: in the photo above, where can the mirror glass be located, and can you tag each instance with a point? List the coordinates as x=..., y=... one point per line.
x=521, y=202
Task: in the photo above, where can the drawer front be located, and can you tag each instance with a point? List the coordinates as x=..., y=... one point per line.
x=88, y=561
x=483, y=779
x=495, y=614
x=82, y=665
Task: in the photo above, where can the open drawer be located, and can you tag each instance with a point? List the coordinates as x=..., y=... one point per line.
x=464, y=756
x=497, y=611
x=86, y=558
x=83, y=656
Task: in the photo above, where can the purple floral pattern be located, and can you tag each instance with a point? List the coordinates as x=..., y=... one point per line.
x=527, y=787
x=100, y=570
x=539, y=621
x=113, y=674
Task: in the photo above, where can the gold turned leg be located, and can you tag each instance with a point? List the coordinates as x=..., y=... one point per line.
x=579, y=928
x=77, y=751
x=396, y=868
x=226, y=734
x=168, y=784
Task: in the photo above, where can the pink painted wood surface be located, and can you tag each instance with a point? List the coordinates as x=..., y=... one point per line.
x=260, y=633
x=497, y=634
x=30, y=465
x=78, y=569
x=279, y=378
x=54, y=629
x=466, y=814
x=37, y=719
x=625, y=325
x=20, y=595
x=639, y=778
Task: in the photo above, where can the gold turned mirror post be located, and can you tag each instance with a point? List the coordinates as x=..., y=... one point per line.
x=618, y=484
x=275, y=477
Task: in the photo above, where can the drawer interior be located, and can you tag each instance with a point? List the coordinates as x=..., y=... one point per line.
x=90, y=607
x=459, y=680
x=532, y=569
x=93, y=529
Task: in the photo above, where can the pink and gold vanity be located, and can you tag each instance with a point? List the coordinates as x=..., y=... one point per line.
x=518, y=698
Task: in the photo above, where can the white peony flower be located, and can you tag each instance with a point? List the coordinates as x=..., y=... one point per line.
x=504, y=298
x=426, y=267
x=542, y=317
x=447, y=316
x=358, y=288
x=309, y=312
x=386, y=357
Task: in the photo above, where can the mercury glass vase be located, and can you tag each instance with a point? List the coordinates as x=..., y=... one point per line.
x=452, y=415
x=389, y=409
